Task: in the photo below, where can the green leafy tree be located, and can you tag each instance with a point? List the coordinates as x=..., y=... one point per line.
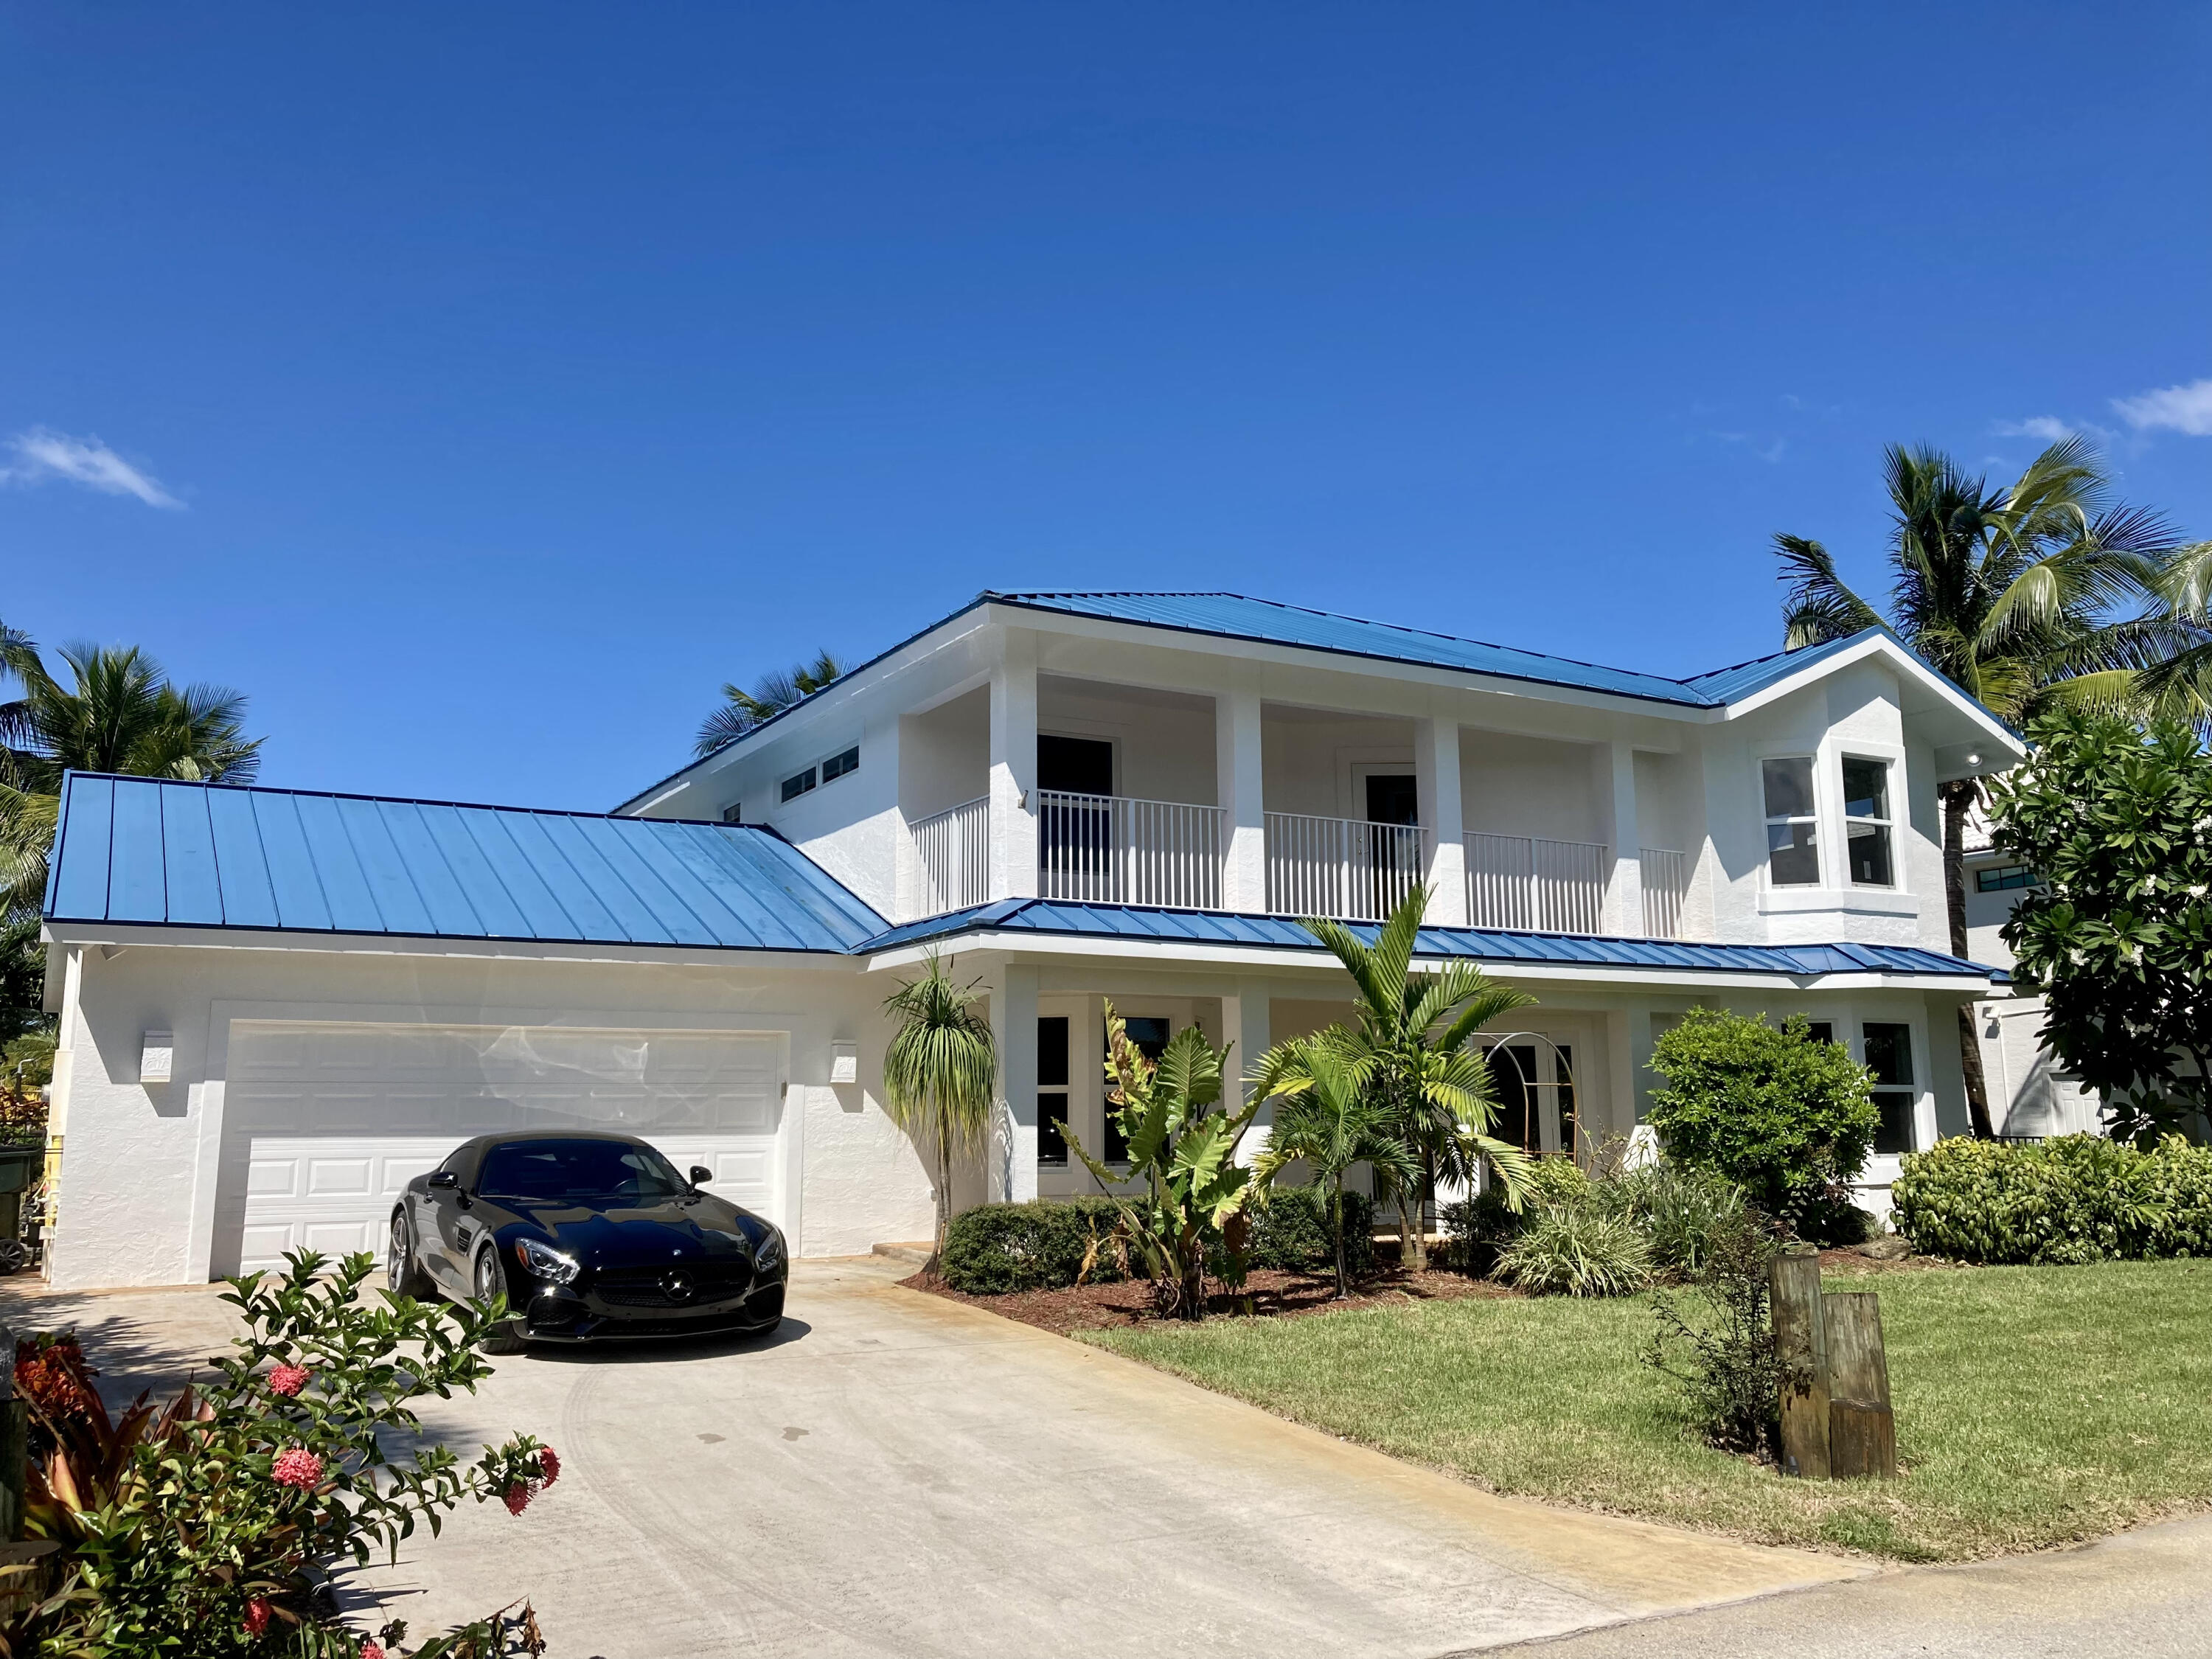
x=940, y=1077
x=1789, y=1120
x=2030, y=597
x=742, y=710
x=1182, y=1144
x=1328, y=1119
x=1411, y=1043
x=2117, y=822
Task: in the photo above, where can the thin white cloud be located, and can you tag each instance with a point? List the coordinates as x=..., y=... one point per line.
x=2182, y=408
x=41, y=453
x=2049, y=428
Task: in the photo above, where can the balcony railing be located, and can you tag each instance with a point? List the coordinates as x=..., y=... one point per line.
x=1351, y=868
x=1666, y=885
x=1108, y=849
x=955, y=846
x=1526, y=883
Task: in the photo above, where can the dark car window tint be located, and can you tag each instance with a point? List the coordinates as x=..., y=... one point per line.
x=574, y=1170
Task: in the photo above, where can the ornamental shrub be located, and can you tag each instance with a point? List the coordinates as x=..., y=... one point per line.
x=994, y=1249
x=1575, y=1248
x=1684, y=1213
x=1723, y=1356
x=211, y=1526
x=2075, y=1198
x=1789, y=1120
x=1290, y=1232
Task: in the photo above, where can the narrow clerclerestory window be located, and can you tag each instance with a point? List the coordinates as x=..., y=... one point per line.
x=1052, y=1091
x=734, y=812
x=1793, y=851
x=837, y=765
x=793, y=787
x=2003, y=878
x=1889, y=1057
x=1866, y=823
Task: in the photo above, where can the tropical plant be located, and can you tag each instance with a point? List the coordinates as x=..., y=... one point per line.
x=209, y=1526
x=1411, y=1044
x=2027, y=598
x=1182, y=1144
x=742, y=710
x=119, y=712
x=2177, y=682
x=1725, y=1361
x=1789, y=1120
x=1577, y=1248
x=1683, y=1212
x=1330, y=1122
x=940, y=1077
x=2117, y=824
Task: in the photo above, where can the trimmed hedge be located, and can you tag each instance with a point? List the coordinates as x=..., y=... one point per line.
x=1290, y=1232
x=2077, y=1199
x=996, y=1249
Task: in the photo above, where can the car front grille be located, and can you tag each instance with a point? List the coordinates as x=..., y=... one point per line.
x=682, y=1284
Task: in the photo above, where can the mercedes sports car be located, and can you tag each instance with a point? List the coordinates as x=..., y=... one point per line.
x=590, y=1236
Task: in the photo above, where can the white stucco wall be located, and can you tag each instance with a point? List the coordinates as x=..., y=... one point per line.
x=140, y=1163
x=1162, y=742
x=1513, y=785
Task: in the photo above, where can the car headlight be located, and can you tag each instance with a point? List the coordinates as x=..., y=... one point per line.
x=767, y=1255
x=542, y=1259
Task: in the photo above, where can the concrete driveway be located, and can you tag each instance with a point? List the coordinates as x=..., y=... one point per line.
x=897, y=1474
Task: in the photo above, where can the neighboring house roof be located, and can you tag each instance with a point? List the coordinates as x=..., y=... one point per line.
x=139, y=850
x=1126, y=921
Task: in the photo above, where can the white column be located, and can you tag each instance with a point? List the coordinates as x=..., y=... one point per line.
x=1237, y=772
x=1244, y=1023
x=1436, y=782
x=1013, y=767
x=1010, y=1156
x=1624, y=892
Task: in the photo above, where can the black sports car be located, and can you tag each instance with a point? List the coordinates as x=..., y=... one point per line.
x=589, y=1236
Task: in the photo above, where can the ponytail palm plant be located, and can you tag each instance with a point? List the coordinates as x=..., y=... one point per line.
x=940, y=1077
x=2032, y=596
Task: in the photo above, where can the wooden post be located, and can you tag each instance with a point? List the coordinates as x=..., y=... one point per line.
x=1861, y=1428
x=1801, y=1344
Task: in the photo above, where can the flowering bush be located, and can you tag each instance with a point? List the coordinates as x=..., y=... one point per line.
x=211, y=1525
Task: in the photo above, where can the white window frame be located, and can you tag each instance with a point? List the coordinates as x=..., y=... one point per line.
x=1890, y=768
x=1816, y=817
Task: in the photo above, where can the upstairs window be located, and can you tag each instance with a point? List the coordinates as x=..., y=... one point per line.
x=838, y=765
x=1866, y=823
x=1889, y=1057
x=1793, y=852
x=2003, y=878
x=793, y=787
x=734, y=812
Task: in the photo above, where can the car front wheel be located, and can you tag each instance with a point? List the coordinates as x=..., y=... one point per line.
x=402, y=1272
x=501, y=1338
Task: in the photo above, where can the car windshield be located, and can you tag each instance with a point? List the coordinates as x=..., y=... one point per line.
x=574, y=1171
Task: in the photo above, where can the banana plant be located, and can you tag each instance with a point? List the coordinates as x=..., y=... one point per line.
x=1182, y=1144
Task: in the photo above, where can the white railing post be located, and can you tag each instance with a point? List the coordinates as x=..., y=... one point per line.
x=1666, y=887
x=1530, y=885
x=1108, y=849
x=954, y=850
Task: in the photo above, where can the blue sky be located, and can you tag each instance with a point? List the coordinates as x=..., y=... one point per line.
x=478, y=387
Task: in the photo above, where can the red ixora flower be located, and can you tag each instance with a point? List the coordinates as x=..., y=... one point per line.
x=517, y=1498
x=296, y=1466
x=549, y=1465
x=288, y=1380
x=369, y=1650
x=257, y=1616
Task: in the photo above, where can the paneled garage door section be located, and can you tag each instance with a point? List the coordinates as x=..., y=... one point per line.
x=324, y=1123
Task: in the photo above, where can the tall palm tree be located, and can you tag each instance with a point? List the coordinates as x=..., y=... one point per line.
x=1410, y=1042
x=1331, y=1122
x=118, y=713
x=2026, y=598
x=743, y=710
x=940, y=1077
x=2178, y=682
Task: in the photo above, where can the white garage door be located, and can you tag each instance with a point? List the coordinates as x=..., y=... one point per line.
x=324, y=1123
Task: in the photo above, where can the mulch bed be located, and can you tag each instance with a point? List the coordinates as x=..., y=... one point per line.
x=1272, y=1294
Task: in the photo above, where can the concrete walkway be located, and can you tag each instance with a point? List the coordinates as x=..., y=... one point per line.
x=897, y=1474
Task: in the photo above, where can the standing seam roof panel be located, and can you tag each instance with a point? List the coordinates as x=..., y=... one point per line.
x=544, y=916
x=84, y=841
x=195, y=891
x=384, y=870
x=138, y=880
x=647, y=879
x=241, y=864
x=479, y=884
x=431, y=872
x=302, y=899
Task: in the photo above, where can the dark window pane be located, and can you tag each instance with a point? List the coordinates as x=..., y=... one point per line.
x=2003, y=878
x=1866, y=848
x=1788, y=788
x=795, y=787
x=1896, y=1134
x=1793, y=855
x=837, y=765
x=1866, y=789
x=1820, y=1031
x=1052, y=1129
x=1078, y=766
x=1052, y=1053
x=1393, y=799
x=1565, y=1060
x=1514, y=1072
x=733, y=813
x=1889, y=1055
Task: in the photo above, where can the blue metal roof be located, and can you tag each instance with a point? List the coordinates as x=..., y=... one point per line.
x=1129, y=921
x=208, y=855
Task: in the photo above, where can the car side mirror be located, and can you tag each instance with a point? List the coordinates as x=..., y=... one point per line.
x=444, y=1180
x=701, y=1174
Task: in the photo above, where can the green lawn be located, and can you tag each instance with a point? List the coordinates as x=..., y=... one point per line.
x=2035, y=1406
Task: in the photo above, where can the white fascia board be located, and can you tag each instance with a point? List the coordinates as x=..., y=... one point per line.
x=1881, y=644
x=1183, y=951
x=116, y=936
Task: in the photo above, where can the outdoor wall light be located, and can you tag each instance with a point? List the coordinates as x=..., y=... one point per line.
x=844, y=1063
x=156, y=1052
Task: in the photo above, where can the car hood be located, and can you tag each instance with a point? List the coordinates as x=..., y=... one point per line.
x=672, y=1230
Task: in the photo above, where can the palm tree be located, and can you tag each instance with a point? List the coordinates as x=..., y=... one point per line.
x=2019, y=596
x=119, y=713
x=940, y=1077
x=2178, y=683
x=1410, y=1044
x=1328, y=1120
x=743, y=710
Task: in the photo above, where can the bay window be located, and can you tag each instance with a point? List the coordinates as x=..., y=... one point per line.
x=1867, y=825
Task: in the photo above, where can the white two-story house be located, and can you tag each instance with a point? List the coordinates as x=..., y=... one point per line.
x=278, y=1007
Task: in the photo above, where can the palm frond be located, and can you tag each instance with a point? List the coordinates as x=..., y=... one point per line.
x=1818, y=606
